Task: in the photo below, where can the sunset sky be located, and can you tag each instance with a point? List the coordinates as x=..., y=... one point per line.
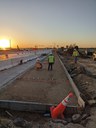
x=46, y=23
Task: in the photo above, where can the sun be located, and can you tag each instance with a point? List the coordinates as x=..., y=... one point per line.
x=4, y=44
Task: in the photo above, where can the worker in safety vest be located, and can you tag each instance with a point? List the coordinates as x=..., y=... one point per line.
x=75, y=55
x=51, y=60
x=38, y=64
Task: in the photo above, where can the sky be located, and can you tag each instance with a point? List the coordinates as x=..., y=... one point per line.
x=48, y=23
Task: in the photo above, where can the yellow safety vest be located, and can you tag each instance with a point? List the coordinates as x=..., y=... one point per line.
x=75, y=53
x=51, y=59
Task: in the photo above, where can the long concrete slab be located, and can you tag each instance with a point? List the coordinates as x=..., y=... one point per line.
x=9, y=75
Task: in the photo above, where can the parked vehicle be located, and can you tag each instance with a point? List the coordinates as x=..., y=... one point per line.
x=89, y=51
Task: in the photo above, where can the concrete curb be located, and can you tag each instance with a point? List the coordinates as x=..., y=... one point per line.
x=81, y=102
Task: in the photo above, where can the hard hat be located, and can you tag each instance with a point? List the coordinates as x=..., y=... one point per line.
x=37, y=59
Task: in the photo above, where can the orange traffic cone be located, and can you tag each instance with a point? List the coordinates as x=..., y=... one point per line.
x=57, y=112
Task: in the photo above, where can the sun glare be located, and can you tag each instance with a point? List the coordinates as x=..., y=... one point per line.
x=4, y=44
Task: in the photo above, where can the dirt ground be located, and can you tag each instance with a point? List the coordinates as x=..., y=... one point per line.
x=85, y=80
x=49, y=84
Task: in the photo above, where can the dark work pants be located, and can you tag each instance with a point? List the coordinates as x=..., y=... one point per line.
x=75, y=59
x=50, y=66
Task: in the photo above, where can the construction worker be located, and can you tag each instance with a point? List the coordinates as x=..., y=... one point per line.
x=51, y=60
x=75, y=55
x=38, y=64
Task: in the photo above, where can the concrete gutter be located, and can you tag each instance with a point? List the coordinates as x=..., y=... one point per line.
x=81, y=102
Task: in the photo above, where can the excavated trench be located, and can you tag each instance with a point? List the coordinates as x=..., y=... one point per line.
x=84, y=80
